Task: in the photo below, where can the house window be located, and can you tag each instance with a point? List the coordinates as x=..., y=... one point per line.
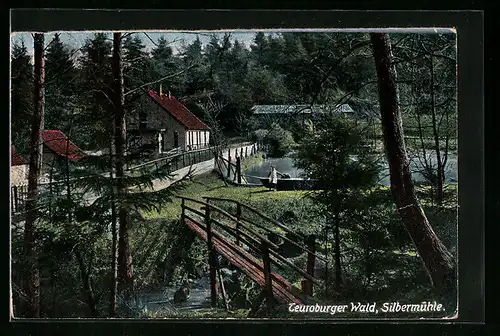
x=143, y=120
x=176, y=139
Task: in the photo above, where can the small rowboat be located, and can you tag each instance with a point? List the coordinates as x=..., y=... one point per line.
x=293, y=183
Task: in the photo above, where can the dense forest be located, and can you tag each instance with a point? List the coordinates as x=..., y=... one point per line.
x=72, y=257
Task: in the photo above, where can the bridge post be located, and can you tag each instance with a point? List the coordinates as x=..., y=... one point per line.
x=16, y=199
x=241, y=152
x=246, y=151
x=311, y=244
x=238, y=169
x=211, y=259
x=267, y=276
x=238, y=216
x=183, y=209
x=229, y=162
x=222, y=289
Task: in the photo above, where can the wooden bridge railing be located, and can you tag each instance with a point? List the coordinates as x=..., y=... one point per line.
x=308, y=242
x=255, y=241
x=180, y=159
x=18, y=197
x=235, y=167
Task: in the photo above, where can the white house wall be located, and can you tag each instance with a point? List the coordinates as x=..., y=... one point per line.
x=19, y=175
x=198, y=139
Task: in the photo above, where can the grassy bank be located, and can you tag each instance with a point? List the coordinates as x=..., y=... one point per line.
x=209, y=185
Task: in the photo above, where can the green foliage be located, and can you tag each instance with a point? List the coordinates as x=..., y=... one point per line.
x=334, y=157
x=21, y=95
x=95, y=92
x=61, y=86
x=280, y=140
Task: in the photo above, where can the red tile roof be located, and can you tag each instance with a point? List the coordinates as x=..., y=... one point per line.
x=15, y=158
x=178, y=111
x=58, y=143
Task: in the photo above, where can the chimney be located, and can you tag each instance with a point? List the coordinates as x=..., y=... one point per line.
x=161, y=91
x=169, y=96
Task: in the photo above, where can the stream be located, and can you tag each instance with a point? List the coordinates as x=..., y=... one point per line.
x=162, y=300
x=286, y=165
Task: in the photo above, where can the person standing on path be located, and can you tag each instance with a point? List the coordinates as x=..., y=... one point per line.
x=273, y=178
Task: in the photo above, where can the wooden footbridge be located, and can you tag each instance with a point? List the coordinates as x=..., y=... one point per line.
x=239, y=237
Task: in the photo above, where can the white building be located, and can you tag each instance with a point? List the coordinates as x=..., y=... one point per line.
x=164, y=123
x=18, y=168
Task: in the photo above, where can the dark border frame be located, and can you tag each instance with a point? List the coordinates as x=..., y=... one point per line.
x=469, y=25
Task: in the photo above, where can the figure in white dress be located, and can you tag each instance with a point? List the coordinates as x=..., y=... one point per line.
x=273, y=178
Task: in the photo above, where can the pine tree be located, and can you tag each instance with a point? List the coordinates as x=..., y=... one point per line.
x=198, y=78
x=94, y=90
x=260, y=48
x=22, y=97
x=135, y=62
x=61, y=85
x=164, y=63
x=333, y=156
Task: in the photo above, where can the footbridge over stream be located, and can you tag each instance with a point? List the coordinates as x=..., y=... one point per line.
x=239, y=236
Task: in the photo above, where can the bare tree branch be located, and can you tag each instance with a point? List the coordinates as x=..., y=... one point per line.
x=160, y=79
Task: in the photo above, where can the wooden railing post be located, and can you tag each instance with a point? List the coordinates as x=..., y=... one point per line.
x=211, y=259
x=238, y=228
x=223, y=290
x=183, y=209
x=229, y=162
x=267, y=275
x=246, y=151
x=238, y=169
x=241, y=152
x=16, y=199
x=311, y=244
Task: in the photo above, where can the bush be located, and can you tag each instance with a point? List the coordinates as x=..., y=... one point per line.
x=280, y=140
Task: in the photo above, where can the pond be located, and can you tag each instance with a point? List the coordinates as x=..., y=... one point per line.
x=286, y=165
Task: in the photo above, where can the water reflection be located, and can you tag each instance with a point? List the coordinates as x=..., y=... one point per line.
x=162, y=299
x=286, y=165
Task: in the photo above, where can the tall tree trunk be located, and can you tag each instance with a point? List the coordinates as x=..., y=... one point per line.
x=125, y=271
x=114, y=243
x=32, y=276
x=437, y=261
x=435, y=133
x=338, y=269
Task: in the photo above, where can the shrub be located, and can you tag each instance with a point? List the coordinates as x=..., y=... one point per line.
x=280, y=140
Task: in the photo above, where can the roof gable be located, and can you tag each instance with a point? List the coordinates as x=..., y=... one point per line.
x=58, y=143
x=178, y=111
x=15, y=158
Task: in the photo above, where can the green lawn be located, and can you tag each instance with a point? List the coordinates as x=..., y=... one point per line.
x=209, y=185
